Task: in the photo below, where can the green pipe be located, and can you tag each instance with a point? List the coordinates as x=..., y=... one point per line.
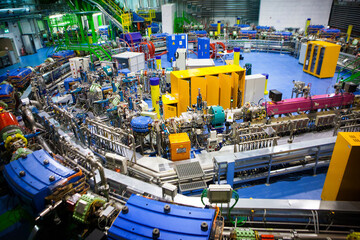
x=100, y=20
x=19, y=25
x=92, y=27
x=84, y=38
x=111, y=31
x=77, y=5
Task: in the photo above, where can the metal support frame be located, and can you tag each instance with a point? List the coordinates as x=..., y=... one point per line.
x=273, y=160
x=101, y=134
x=269, y=171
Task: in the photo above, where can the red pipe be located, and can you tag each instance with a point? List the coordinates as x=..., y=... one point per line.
x=212, y=46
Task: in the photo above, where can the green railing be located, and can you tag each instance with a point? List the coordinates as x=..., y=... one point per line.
x=180, y=21
x=68, y=34
x=354, y=72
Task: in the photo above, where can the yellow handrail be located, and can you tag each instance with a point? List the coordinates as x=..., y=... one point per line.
x=126, y=18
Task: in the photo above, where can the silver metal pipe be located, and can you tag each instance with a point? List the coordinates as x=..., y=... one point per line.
x=44, y=144
x=48, y=209
x=29, y=116
x=100, y=168
x=33, y=233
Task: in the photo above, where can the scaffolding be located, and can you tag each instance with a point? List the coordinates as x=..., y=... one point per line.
x=67, y=33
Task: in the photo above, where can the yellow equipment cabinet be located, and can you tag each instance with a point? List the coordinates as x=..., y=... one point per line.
x=343, y=178
x=179, y=146
x=218, y=85
x=212, y=90
x=170, y=105
x=196, y=84
x=321, y=59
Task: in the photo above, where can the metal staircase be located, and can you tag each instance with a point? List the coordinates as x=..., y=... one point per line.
x=118, y=16
x=98, y=51
x=73, y=36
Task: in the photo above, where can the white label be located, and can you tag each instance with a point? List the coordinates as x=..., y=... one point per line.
x=182, y=37
x=173, y=37
x=180, y=42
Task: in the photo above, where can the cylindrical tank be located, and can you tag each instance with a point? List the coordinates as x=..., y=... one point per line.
x=236, y=56
x=307, y=26
x=158, y=62
x=10, y=131
x=218, y=27
x=218, y=117
x=155, y=94
x=90, y=38
x=266, y=92
x=141, y=124
x=7, y=121
x=238, y=21
x=149, y=30
x=350, y=27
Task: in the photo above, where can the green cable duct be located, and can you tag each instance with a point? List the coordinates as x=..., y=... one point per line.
x=240, y=221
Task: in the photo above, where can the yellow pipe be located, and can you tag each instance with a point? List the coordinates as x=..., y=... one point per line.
x=158, y=62
x=266, y=92
x=236, y=56
x=349, y=32
x=155, y=94
x=218, y=27
x=149, y=31
x=307, y=25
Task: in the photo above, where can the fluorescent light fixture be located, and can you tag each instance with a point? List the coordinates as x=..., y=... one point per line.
x=56, y=16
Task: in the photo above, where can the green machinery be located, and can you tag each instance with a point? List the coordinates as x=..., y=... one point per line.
x=354, y=72
x=68, y=31
x=181, y=20
x=112, y=9
x=68, y=34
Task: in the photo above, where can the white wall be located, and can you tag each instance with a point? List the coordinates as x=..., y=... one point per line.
x=293, y=13
x=29, y=26
x=14, y=33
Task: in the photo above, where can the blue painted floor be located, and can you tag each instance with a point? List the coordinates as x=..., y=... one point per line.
x=31, y=60
x=282, y=69
x=305, y=187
